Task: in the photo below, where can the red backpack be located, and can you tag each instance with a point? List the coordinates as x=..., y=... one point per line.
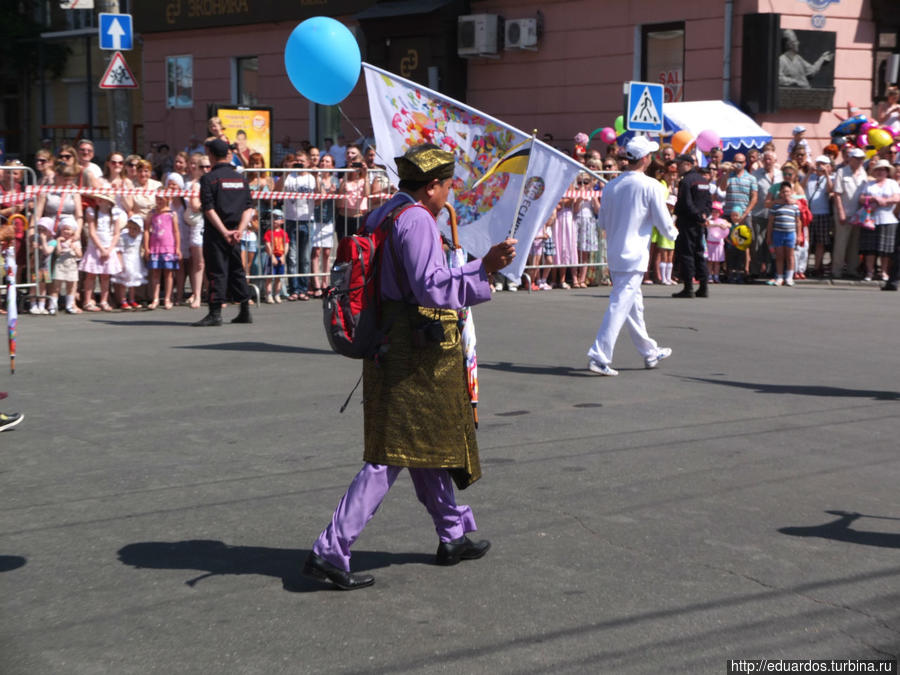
x=351, y=304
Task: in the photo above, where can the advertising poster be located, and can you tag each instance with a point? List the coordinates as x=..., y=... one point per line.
x=248, y=128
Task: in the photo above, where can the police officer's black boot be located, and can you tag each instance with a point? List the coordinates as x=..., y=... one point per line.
x=686, y=292
x=244, y=315
x=703, y=291
x=214, y=318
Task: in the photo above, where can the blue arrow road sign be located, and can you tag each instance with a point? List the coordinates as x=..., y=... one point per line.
x=645, y=107
x=116, y=31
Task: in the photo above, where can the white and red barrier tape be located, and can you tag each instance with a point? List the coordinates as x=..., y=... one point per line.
x=32, y=190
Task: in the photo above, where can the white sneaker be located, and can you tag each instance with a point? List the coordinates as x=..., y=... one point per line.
x=34, y=310
x=602, y=368
x=512, y=288
x=661, y=353
x=498, y=286
x=788, y=282
x=270, y=300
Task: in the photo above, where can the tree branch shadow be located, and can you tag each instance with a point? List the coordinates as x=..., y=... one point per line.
x=840, y=530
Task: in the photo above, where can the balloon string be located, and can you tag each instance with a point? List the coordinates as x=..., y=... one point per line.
x=384, y=162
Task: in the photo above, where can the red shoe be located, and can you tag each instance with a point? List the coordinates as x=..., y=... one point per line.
x=125, y=305
x=134, y=305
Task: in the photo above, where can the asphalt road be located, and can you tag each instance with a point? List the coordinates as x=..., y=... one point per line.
x=739, y=502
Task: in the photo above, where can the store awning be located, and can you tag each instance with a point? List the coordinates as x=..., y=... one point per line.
x=386, y=10
x=737, y=130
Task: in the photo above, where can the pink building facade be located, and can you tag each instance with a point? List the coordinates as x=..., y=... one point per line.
x=571, y=81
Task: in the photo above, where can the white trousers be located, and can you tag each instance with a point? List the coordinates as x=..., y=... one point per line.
x=626, y=306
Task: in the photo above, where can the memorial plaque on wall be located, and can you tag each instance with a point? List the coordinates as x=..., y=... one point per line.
x=806, y=70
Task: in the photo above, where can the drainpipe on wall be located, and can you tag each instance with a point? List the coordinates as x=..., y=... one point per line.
x=726, y=47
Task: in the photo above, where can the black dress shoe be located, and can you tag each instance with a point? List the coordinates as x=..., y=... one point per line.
x=451, y=552
x=244, y=315
x=317, y=568
x=209, y=320
x=702, y=292
x=685, y=293
x=889, y=286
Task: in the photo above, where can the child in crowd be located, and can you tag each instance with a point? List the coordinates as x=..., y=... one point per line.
x=799, y=140
x=717, y=229
x=104, y=224
x=68, y=253
x=276, y=244
x=133, y=273
x=781, y=234
x=665, y=248
x=534, y=258
x=162, y=243
x=249, y=244
x=565, y=236
x=736, y=261
x=548, y=248
x=46, y=247
x=175, y=181
x=586, y=210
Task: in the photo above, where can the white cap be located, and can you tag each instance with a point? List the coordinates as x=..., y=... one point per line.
x=858, y=153
x=823, y=159
x=640, y=146
x=799, y=129
x=138, y=220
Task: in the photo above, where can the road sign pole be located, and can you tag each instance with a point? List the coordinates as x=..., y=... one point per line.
x=118, y=103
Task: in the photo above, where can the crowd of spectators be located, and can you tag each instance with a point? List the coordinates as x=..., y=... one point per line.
x=95, y=252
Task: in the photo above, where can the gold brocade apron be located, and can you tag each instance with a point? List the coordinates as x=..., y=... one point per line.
x=415, y=399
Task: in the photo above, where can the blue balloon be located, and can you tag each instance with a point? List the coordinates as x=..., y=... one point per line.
x=322, y=60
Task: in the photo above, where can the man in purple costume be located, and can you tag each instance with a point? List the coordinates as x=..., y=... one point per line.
x=416, y=406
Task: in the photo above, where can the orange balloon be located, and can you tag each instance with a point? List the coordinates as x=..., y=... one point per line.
x=682, y=140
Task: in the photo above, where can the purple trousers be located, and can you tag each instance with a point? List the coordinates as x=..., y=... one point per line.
x=434, y=488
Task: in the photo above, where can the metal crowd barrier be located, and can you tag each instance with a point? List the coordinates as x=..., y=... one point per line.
x=257, y=272
x=8, y=198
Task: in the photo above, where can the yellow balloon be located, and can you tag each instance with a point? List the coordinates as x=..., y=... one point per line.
x=880, y=138
x=871, y=153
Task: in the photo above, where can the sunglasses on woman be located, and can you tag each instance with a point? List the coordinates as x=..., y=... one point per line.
x=65, y=156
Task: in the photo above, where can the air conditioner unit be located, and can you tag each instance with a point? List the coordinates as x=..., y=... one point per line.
x=478, y=35
x=521, y=34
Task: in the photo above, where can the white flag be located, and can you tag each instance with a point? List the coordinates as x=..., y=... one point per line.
x=405, y=114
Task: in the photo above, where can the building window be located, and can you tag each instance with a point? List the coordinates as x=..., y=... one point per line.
x=662, y=58
x=246, y=80
x=79, y=18
x=180, y=81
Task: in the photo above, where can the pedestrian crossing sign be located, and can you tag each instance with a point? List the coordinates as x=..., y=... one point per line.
x=644, y=107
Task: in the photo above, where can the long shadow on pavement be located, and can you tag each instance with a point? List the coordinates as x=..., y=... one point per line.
x=9, y=563
x=805, y=390
x=142, y=324
x=257, y=347
x=840, y=530
x=215, y=558
x=510, y=367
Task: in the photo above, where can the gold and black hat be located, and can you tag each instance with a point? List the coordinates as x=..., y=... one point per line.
x=426, y=162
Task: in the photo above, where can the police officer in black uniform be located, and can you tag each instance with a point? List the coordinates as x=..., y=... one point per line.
x=227, y=210
x=692, y=210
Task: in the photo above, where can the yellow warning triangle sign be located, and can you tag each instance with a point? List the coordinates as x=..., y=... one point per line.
x=118, y=75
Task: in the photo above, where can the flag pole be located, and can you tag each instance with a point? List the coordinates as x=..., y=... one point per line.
x=515, y=223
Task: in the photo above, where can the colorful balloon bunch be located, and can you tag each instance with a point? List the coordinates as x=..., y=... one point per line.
x=865, y=133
